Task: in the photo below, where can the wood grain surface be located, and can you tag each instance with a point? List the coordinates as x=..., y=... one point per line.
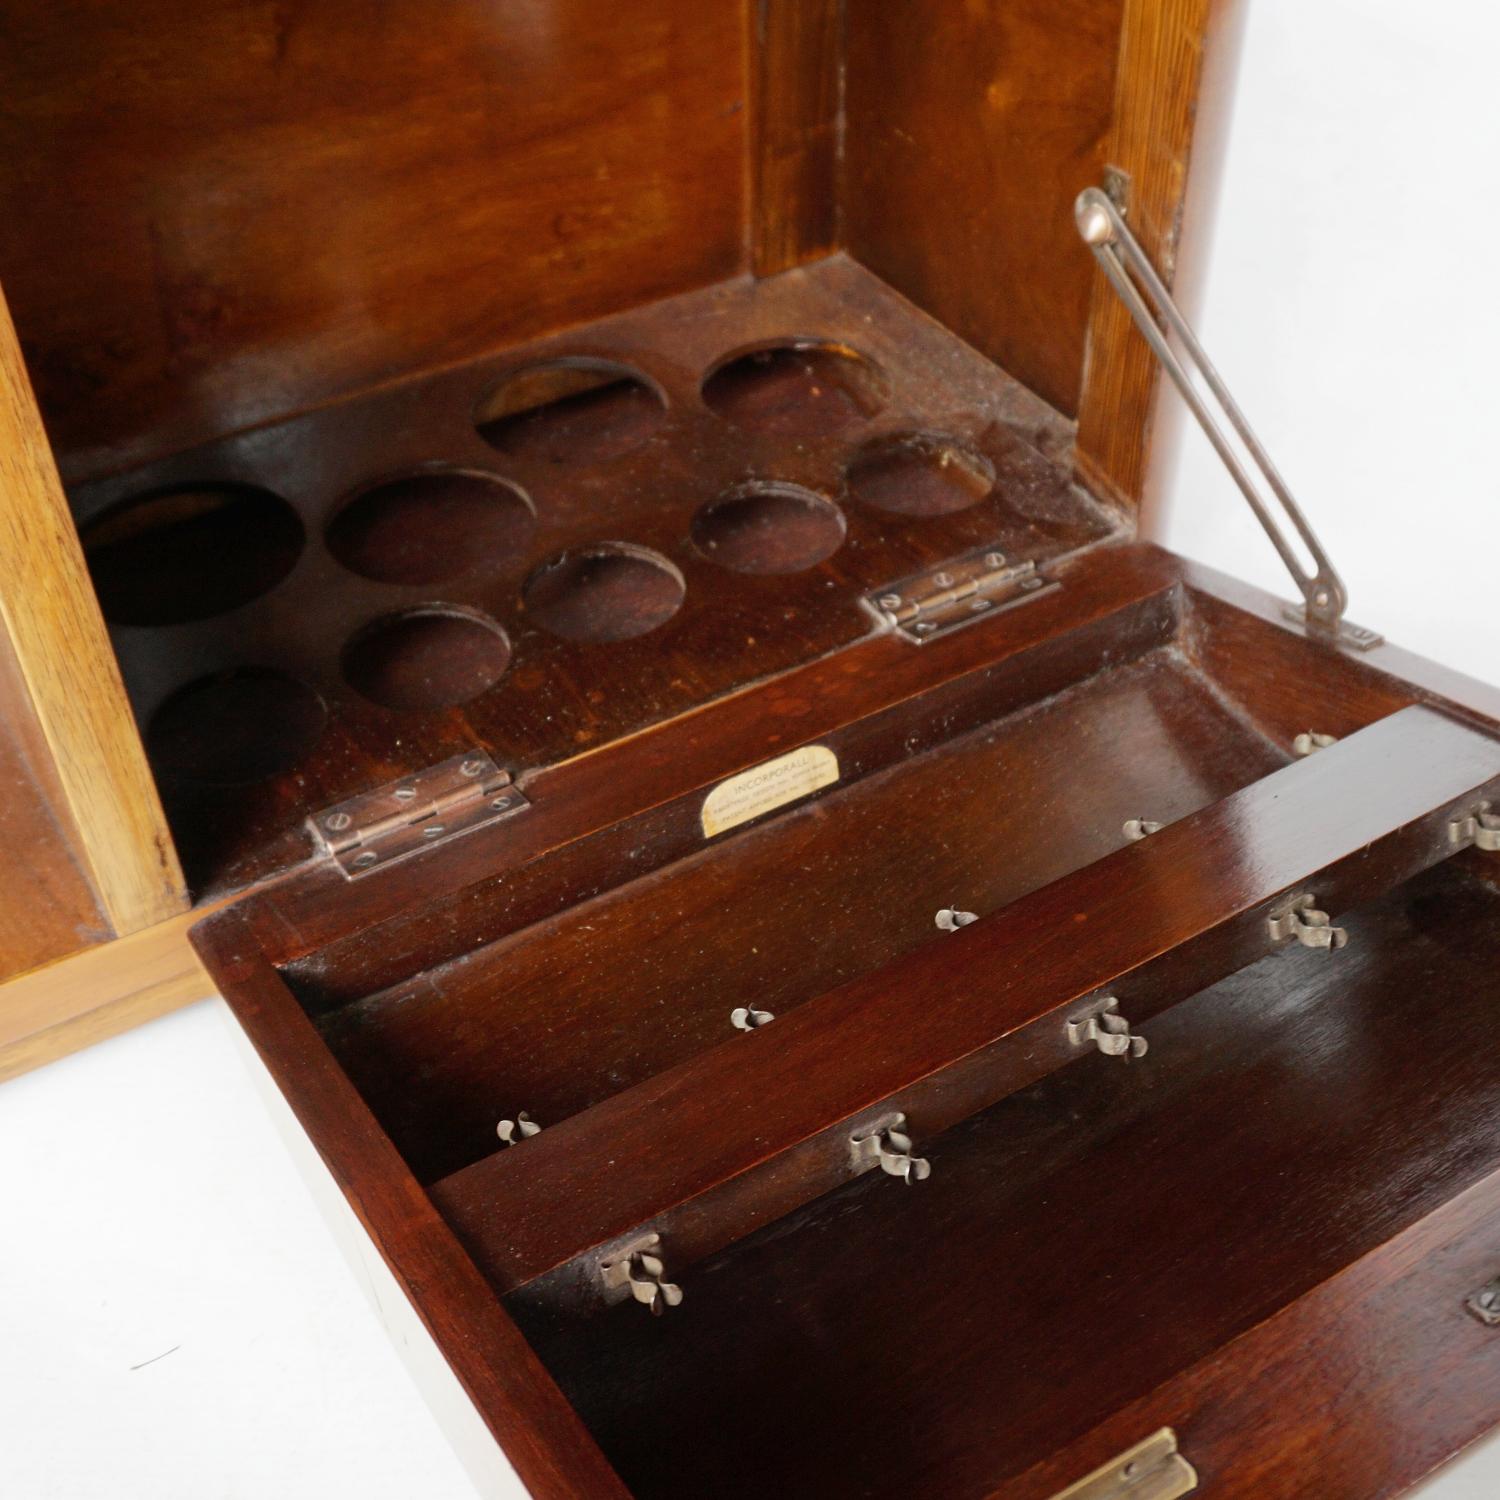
x=221, y=211
x=64, y=694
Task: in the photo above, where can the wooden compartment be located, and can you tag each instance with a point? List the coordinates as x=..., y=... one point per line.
x=619, y=527
x=1297, y=1120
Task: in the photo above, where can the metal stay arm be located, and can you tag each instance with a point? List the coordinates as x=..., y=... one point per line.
x=1119, y=253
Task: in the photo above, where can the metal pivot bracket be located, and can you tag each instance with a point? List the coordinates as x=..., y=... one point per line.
x=1104, y=1026
x=637, y=1272
x=1152, y=1470
x=887, y=1145
x=1300, y=918
x=969, y=588
x=1145, y=296
x=1481, y=828
x=400, y=819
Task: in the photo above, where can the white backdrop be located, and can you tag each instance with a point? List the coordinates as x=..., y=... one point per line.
x=1347, y=289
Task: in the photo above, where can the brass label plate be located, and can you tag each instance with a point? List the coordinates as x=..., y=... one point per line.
x=764, y=788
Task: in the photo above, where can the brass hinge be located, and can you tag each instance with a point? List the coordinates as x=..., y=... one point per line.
x=417, y=812
x=1153, y=1470
x=957, y=593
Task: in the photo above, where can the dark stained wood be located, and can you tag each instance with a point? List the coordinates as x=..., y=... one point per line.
x=541, y=1436
x=718, y=1146
x=560, y=697
x=647, y=976
x=1361, y=1388
x=1255, y=1234
x=966, y=141
x=797, y=57
x=221, y=211
x=1172, y=87
x=635, y=805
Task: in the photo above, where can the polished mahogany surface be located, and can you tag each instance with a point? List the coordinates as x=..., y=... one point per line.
x=1082, y=1241
x=967, y=144
x=553, y=547
x=647, y=975
x=720, y=1144
x=1194, y=705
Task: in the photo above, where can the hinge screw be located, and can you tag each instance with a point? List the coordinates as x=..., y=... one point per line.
x=364, y=859
x=472, y=767
x=339, y=822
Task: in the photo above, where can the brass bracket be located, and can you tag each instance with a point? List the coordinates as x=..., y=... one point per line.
x=1152, y=1470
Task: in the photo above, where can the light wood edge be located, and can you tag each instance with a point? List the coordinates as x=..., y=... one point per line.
x=98, y=993
x=1171, y=113
x=48, y=609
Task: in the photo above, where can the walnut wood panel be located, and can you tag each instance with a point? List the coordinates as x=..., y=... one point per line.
x=967, y=138
x=799, y=62
x=1257, y=1234
x=719, y=1146
x=89, y=844
x=634, y=806
x=560, y=697
x=647, y=975
x=220, y=211
x=1163, y=116
x=541, y=1435
x=1356, y=1391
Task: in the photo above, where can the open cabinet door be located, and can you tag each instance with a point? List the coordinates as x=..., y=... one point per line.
x=88, y=856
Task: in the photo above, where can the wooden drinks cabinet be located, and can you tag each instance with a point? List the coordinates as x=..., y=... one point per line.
x=617, y=525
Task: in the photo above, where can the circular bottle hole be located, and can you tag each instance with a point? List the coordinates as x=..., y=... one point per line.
x=796, y=388
x=235, y=727
x=768, y=527
x=920, y=474
x=575, y=411
x=190, y=552
x=430, y=526
x=427, y=658
x=611, y=591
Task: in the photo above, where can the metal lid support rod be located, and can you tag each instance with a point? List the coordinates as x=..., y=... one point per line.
x=1121, y=257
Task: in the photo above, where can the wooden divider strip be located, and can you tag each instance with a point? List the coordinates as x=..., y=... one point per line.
x=710, y=1150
